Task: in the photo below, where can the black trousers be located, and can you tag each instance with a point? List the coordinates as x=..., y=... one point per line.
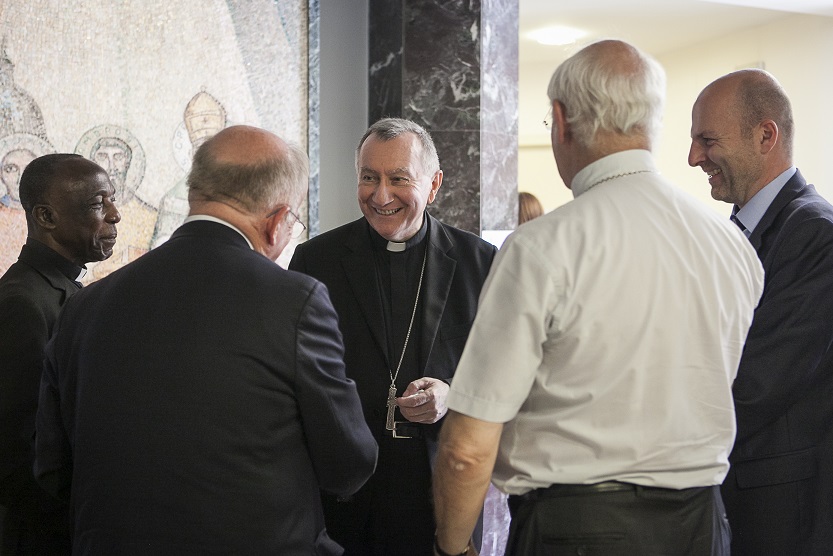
x=392, y=514
x=618, y=519
x=32, y=523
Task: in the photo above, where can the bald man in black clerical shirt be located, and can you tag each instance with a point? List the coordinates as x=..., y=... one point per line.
x=71, y=218
x=405, y=287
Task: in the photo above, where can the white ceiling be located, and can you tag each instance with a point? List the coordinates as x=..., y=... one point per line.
x=656, y=26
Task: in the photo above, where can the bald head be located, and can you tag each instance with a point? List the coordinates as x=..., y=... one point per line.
x=753, y=96
x=741, y=134
x=250, y=167
x=243, y=145
x=70, y=206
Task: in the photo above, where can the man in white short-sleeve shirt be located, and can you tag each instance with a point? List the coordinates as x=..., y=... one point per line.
x=597, y=376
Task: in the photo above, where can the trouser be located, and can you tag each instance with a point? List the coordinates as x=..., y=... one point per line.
x=615, y=518
x=32, y=522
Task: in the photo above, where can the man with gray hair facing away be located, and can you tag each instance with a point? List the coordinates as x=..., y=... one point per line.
x=596, y=382
x=194, y=401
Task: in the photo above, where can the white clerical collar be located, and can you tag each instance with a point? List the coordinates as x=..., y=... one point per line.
x=396, y=246
x=81, y=274
x=206, y=217
x=610, y=167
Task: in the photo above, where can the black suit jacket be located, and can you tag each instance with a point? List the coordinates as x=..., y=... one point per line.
x=457, y=263
x=456, y=266
x=194, y=402
x=32, y=292
x=779, y=485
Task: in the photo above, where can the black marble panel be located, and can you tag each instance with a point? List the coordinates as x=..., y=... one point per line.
x=458, y=201
x=441, y=77
x=385, y=59
x=456, y=66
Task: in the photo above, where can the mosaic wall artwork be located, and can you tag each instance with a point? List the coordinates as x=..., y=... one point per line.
x=136, y=86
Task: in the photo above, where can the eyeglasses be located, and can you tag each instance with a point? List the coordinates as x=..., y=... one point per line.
x=548, y=120
x=298, y=227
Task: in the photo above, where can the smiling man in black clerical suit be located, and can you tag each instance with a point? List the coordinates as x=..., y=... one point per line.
x=405, y=287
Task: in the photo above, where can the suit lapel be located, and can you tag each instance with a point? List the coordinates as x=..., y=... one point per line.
x=361, y=275
x=790, y=191
x=438, y=274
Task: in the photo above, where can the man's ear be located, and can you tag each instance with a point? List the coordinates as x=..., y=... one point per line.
x=272, y=226
x=767, y=135
x=559, y=121
x=44, y=216
x=435, y=186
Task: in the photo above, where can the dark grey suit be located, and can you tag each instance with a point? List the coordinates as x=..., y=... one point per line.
x=779, y=491
x=195, y=401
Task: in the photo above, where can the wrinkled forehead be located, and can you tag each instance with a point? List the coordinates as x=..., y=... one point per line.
x=396, y=153
x=78, y=179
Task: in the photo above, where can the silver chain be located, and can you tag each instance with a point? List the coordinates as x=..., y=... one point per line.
x=622, y=175
x=411, y=324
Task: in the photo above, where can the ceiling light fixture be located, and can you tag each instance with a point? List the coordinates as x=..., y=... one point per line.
x=556, y=35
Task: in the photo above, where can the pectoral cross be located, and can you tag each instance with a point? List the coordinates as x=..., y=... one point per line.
x=391, y=407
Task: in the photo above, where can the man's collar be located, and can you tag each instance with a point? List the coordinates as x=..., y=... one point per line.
x=209, y=218
x=381, y=243
x=42, y=252
x=610, y=167
x=752, y=212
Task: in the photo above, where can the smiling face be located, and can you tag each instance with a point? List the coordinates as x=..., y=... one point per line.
x=394, y=186
x=83, y=211
x=722, y=148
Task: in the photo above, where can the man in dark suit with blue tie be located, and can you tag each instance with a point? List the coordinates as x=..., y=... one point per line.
x=405, y=287
x=779, y=491
x=71, y=218
x=195, y=401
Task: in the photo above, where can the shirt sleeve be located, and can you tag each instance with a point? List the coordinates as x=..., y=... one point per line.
x=53, y=453
x=505, y=348
x=24, y=334
x=342, y=448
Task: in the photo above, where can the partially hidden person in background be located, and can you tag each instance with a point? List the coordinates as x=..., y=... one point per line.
x=529, y=207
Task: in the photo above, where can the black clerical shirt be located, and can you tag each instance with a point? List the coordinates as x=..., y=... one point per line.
x=398, y=274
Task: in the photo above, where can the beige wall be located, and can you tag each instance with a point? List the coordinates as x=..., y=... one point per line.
x=796, y=50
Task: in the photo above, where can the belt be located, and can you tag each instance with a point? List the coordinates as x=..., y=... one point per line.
x=405, y=429
x=556, y=491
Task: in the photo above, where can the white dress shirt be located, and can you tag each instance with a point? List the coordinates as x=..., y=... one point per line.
x=608, y=335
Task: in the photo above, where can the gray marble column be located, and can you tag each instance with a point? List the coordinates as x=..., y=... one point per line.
x=452, y=67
